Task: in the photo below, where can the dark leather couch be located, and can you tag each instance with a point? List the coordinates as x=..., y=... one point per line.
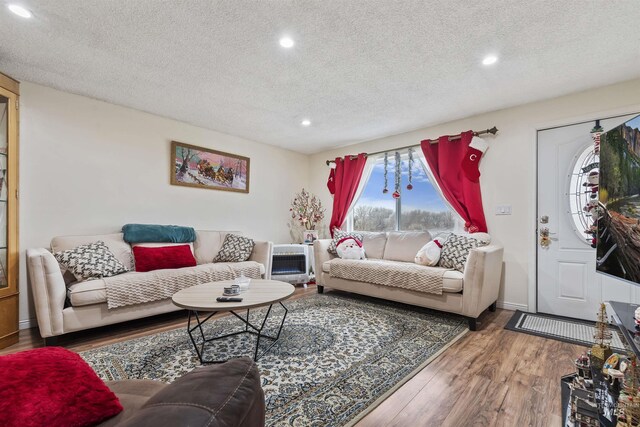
x=228, y=394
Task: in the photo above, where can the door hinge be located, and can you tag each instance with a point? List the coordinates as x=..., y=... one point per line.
x=17, y=104
x=16, y=193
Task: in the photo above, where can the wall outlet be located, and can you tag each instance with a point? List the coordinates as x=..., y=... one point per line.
x=503, y=210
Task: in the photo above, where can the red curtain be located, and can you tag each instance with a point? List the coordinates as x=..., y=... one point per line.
x=346, y=179
x=444, y=160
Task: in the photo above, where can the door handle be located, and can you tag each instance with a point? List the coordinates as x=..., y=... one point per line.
x=545, y=240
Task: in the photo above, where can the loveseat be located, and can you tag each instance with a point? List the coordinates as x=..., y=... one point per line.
x=65, y=305
x=468, y=293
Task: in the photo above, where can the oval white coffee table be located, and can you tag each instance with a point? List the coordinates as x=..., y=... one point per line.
x=202, y=298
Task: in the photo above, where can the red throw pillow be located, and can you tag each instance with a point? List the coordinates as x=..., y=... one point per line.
x=52, y=387
x=149, y=259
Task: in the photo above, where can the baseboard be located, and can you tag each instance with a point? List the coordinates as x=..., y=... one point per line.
x=513, y=306
x=27, y=324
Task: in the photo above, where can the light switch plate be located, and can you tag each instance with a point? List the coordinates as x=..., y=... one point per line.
x=503, y=210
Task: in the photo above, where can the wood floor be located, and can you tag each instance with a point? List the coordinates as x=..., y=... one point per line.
x=491, y=377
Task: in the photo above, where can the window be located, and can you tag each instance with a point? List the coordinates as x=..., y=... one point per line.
x=581, y=194
x=421, y=208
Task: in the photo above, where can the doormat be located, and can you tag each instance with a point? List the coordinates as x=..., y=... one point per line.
x=338, y=357
x=572, y=331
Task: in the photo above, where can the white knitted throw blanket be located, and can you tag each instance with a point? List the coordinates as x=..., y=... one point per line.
x=128, y=289
x=405, y=275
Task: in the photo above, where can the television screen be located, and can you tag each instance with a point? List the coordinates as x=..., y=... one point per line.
x=618, y=238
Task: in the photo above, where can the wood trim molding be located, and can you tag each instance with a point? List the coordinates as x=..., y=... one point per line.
x=10, y=83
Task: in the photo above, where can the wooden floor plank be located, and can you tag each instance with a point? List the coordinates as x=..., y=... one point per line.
x=479, y=404
x=432, y=405
x=489, y=377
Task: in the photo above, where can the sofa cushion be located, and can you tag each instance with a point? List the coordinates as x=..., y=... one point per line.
x=404, y=245
x=374, y=243
x=88, y=292
x=114, y=242
x=208, y=244
x=90, y=261
x=228, y=394
x=133, y=394
x=453, y=280
x=92, y=292
x=52, y=387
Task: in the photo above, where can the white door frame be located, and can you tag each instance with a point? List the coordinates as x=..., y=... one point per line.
x=532, y=300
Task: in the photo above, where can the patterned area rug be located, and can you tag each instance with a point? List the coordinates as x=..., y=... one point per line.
x=559, y=328
x=337, y=358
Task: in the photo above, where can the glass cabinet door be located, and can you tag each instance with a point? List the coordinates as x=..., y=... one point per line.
x=9, y=293
x=4, y=139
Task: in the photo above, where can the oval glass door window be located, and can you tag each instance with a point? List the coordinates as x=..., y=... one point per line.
x=583, y=192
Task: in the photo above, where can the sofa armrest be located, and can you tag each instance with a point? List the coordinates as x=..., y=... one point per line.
x=262, y=253
x=49, y=291
x=482, y=277
x=320, y=256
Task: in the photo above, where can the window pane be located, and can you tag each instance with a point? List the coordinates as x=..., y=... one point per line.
x=375, y=211
x=422, y=208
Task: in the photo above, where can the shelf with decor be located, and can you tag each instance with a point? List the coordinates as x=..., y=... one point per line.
x=592, y=395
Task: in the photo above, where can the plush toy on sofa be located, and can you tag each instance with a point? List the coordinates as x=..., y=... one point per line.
x=429, y=254
x=350, y=248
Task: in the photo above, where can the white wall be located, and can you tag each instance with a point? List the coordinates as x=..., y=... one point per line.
x=89, y=167
x=508, y=169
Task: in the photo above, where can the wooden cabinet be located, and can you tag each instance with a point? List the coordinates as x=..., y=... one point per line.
x=9, y=104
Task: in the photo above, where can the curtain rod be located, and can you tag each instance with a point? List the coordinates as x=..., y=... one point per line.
x=492, y=131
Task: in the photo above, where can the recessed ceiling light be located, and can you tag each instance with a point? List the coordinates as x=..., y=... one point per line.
x=20, y=11
x=306, y=122
x=286, y=42
x=489, y=60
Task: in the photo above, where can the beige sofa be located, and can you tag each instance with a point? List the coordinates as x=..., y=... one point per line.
x=468, y=293
x=63, y=305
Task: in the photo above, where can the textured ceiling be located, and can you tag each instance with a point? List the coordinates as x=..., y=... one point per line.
x=359, y=70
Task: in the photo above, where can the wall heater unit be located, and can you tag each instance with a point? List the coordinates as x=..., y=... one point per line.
x=290, y=263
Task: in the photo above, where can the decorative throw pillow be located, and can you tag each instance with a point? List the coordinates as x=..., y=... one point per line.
x=455, y=251
x=235, y=249
x=52, y=387
x=339, y=235
x=91, y=261
x=163, y=257
x=429, y=254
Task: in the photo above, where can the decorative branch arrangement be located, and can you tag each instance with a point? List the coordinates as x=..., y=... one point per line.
x=307, y=209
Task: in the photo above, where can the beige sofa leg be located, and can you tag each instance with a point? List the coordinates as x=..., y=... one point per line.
x=320, y=289
x=473, y=323
x=493, y=306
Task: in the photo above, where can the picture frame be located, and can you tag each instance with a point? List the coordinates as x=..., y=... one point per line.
x=200, y=167
x=310, y=236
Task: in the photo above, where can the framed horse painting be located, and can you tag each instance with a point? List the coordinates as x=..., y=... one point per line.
x=200, y=167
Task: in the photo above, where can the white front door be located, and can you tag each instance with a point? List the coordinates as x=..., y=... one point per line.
x=567, y=282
